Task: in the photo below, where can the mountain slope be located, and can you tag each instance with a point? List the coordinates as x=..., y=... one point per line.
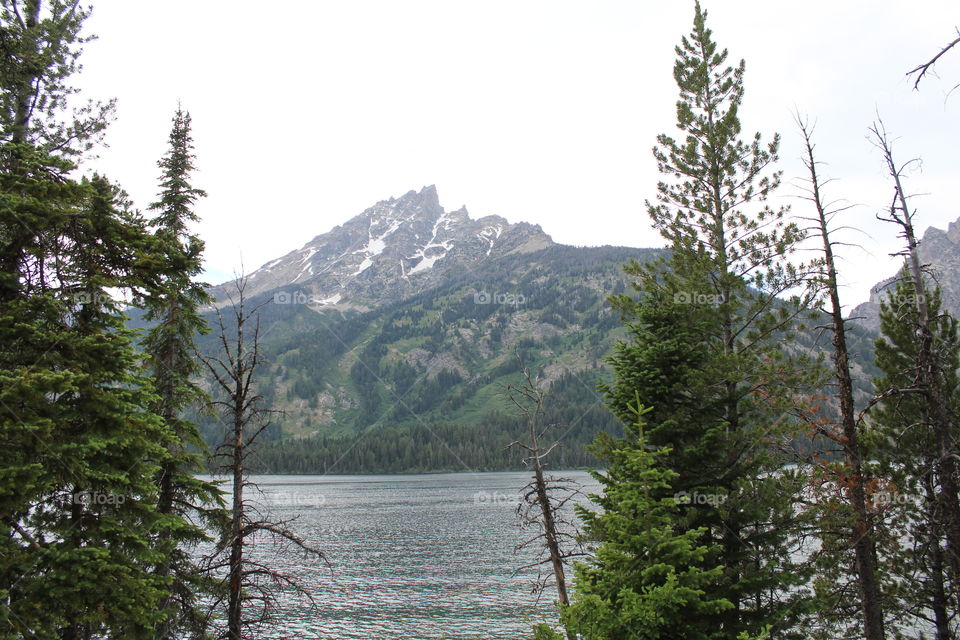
x=392, y=339
x=409, y=319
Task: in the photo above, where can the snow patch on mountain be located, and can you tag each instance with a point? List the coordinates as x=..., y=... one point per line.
x=490, y=234
x=427, y=261
x=334, y=299
x=375, y=245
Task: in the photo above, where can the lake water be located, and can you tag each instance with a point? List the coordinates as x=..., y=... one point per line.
x=418, y=557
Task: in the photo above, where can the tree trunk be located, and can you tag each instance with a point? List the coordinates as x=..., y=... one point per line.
x=864, y=547
x=931, y=377
x=25, y=93
x=550, y=530
x=939, y=598
x=12, y=255
x=234, y=609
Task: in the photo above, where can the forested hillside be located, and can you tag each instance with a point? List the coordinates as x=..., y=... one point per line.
x=420, y=385
x=441, y=361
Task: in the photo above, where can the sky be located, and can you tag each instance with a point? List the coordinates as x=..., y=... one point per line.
x=307, y=112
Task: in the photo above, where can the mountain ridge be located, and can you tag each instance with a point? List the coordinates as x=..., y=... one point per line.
x=410, y=243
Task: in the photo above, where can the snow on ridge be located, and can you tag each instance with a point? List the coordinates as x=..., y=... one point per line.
x=270, y=265
x=374, y=246
x=427, y=262
x=308, y=267
x=366, y=264
x=485, y=235
x=309, y=255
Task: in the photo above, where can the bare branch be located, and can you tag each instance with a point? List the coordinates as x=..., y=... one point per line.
x=921, y=70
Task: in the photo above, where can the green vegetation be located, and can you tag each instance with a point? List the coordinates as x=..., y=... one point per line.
x=81, y=444
x=649, y=578
x=172, y=305
x=704, y=354
x=705, y=529
x=441, y=358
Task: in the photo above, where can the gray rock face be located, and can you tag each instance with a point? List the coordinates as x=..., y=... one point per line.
x=940, y=253
x=392, y=250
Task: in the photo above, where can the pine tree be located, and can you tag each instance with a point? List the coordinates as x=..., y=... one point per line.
x=931, y=378
x=705, y=344
x=647, y=580
x=78, y=437
x=904, y=453
x=172, y=305
x=39, y=49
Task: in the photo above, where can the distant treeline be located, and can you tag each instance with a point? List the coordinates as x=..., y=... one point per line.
x=424, y=447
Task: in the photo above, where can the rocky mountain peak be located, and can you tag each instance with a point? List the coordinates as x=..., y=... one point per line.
x=953, y=231
x=940, y=252
x=390, y=251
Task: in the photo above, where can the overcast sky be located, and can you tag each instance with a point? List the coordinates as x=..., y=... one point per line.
x=307, y=112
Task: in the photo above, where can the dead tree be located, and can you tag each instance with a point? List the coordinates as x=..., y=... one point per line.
x=929, y=373
x=921, y=70
x=252, y=586
x=545, y=497
x=861, y=531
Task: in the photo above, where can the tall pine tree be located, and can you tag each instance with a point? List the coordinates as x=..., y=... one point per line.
x=78, y=437
x=172, y=306
x=705, y=330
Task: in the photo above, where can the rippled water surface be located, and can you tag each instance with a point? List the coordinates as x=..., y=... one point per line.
x=420, y=557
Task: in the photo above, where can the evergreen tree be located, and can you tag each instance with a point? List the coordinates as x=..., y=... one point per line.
x=39, y=48
x=705, y=348
x=78, y=436
x=80, y=440
x=931, y=378
x=172, y=304
x=904, y=453
x=647, y=581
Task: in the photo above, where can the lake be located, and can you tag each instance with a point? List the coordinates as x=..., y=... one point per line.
x=419, y=557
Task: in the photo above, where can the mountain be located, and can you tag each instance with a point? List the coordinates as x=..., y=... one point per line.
x=393, y=338
x=391, y=251
x=408, y=321
x=940, y=252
